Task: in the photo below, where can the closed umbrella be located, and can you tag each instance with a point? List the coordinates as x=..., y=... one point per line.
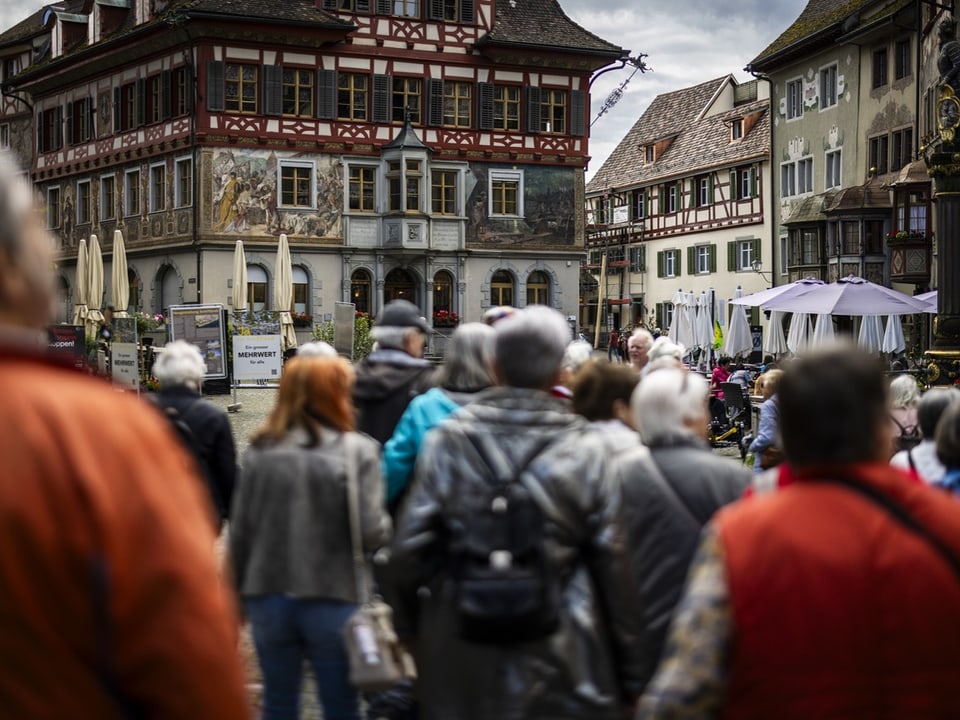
x=738, y=340
x=823, y=333
x=239, y=295
x=704, y=325
x=678, y=300
x=95, y=280
x=893, y=342
x=283, y=293
x=120, y=282
x=81, y=286
x=798, y=339
x=688, y=322
x=775, y=343
x=871, y=333
x=849, y=296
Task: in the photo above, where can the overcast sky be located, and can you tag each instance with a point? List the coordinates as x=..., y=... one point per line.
x=687, y=41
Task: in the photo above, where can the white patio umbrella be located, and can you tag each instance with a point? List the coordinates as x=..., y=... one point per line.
x=283, y=292
x=120, y=282
x=239, y=294
x=775, y=343
x=871, y=332
x=930, y=298
x=760, y=299
x=738, y=340
x=823, y=333
x=893, y=342
x=679, y=298
x=95, y=288
x=81, y=287
x=688, y=322
x=798, y=339
x=704, y=324
x=848, y=296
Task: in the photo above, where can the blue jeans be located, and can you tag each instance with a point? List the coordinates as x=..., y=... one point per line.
x=285, y=631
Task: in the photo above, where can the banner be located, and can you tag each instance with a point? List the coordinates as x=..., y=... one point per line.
x=68, y=343
x=202, y=326
x=257, y=359
x=125, y=355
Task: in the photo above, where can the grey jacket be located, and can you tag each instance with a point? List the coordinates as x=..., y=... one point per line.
x=289, y=530
x=665, y=524
x=591, y=664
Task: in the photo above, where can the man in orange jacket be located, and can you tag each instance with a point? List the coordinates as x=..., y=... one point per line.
x=109, y=597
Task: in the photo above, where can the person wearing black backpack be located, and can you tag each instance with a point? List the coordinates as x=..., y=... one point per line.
x=201, y=425
x=508, y=571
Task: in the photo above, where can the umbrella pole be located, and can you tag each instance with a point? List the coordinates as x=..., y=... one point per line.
x=236, y=406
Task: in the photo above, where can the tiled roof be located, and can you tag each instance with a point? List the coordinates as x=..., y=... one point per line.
x=305, y=11
x=699, y=144
x=31, y=26
x=542, y=23
x=809, y=209
x=818, y=16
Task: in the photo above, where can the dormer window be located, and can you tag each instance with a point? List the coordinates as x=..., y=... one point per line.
x=648, y=154
x=736, y=129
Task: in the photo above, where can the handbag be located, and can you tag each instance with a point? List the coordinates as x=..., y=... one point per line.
x=376, y=658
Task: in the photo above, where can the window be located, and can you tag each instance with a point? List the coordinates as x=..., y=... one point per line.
x=455, y=11
x=783, y=254
x=403, y=185
x=703, y=188
x=671, y=198
x=744, y=254
x=850, y=237
x=639, y=204
x=796, y=178
x=108, y=197
x=638, y=259
x=736, y=129
x=84, y=199
x=158, y=188
x=50, y=130
x=538, y=288
x=240, y=88
x=879, y=68
x=456, y=104
x=296, y=184
x=911, y=211
x=4, y=136
x=155, y=100
x=506, y=107
x=352, y=94
x=501, y=288
x=805, y=176
x=832, y=166
x=362, y=188
x=360, y=290
x=878, y=147
x=183, y=189
x=301, y=290
x=648, y=154
x=406, y=98
x=131, y=192
x=794, y=99
x=443, y=291
x=902, y=150
x=828, y=87
x=804, y=247
x=80, y=121
x=670, y=263
x=444, y=192
x=702, y=259
x=297, y=92
x=180, y=89
x=553, y=110
x=788, y=180
x=256, y=287
x=53, y=207
x=901, y=59
x=128, y=106
x=406, y=8
x=506, y=193
x=748, y=185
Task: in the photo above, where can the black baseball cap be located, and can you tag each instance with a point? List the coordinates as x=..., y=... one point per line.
x=403, y=313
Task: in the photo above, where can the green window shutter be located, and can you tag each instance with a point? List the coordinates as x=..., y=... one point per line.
x=646, y=203
x=141, y=102
x=753, y=182
x=691, y=261
x=710, y=188
x=713, y=258
x=733, y=185
x=757, y=244
x=272, y=89
x=661, y=199
x=678, y=267
x=731, y=256
x=643, y=258
x=659, y=312
x=69, y=123
x=58, y=128
x=117, y=105
x=661, y=271
x=383, y=7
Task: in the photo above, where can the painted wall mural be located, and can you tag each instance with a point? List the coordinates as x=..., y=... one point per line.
x=548, y=212
x=245, y=196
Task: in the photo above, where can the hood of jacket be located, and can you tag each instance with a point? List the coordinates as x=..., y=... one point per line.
x=385, y=372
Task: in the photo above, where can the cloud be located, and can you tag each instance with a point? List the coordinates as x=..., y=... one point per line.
x=13, y=11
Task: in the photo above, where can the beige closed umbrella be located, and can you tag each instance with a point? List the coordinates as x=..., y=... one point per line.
x=283, y=293
x=120, y=281
x=239, y=295
x=81, y=287
x=95, y=281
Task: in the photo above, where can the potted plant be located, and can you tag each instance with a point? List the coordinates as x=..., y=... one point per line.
x=302, y=320
x=445, y=318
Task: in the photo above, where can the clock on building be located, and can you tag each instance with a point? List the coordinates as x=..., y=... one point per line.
x=948, y=113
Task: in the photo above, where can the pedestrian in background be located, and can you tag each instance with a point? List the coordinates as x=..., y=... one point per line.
x=948, y=447
x=638, y=346
x=922, y=460
x=290, y=543
x=601, y=394
x=904, y=397
x=613, y=346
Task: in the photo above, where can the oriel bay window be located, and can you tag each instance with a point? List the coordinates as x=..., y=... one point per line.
x=362, y=188
x=404, y=178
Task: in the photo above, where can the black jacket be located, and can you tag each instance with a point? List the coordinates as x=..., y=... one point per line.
x=387, y=380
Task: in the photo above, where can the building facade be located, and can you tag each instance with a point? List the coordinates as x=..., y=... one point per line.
x=426, y=149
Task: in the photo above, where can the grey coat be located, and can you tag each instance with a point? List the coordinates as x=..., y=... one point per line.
x=289, y=530
x=664, y=525
x=591, y=664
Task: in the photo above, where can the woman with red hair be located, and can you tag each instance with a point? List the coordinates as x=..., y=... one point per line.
x=290, y=546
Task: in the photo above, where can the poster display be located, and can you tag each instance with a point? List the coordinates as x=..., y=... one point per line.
x=67, y=342
x=344, y=319
x=203, y=326
x=257, y=348
x=125, y=355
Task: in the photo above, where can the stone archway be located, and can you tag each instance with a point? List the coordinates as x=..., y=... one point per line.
x=399, y=284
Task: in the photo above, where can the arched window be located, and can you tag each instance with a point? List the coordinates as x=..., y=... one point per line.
x=501, y=288
x=360, y=290
x=133, y=299
x=538, y=288
x=169, y=288
x=400, y=284
x=443, y=291
x=256, y=287
x=301, y=290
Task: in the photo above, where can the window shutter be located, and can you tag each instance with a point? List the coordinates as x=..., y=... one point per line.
x=642, y=258
x=326, y=94
x=733, y=185
x=661, y=199
x=381, y=98
x=58, y=128
x=165, y=104
x=272, y=90
x=435, y=9
x=91, y=132
x=659, y=312
x=676, y=262
x=70, y=123
x=753, y=182
x=363, y=6
x=661, y=270
x=383, y=7
x=713, y=258
x=756, y=248
x=485, y=106
x=434, y=102
x=141, y=102
x=710, y=189
x=691, y=261
x=116, y=110
x=732, y=256
x=40, y=145
x=215, y=86
x=646, y=203
x=680, y=204
x=466, y=12
x=578, y=112
x=533, y=109
x=329, y=4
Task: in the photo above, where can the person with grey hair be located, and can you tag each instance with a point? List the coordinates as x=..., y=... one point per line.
x=317, y=348
x=180, y=370
x=465, y=371
x=671, y=489
x=902, y=403
x=585, y=662
x=111, y=596
x=663, y=353
x=578, y=352
x=922, y=460
x=638, y=347
x=395, y=372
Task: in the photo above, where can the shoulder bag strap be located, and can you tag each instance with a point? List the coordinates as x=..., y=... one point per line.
x=673, y=498
x=901, y=515
x=353, y=510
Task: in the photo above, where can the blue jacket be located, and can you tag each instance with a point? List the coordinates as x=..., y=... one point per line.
x=768, y=433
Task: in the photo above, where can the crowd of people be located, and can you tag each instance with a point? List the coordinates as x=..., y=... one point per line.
x=551, y=529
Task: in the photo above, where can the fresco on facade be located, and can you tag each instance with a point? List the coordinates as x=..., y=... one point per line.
x=548, y=209
x=245, y=196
